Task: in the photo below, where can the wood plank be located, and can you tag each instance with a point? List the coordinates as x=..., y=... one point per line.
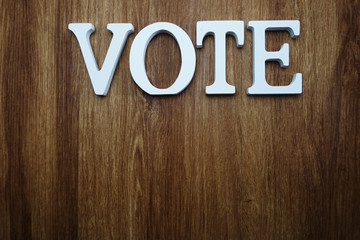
x=133, y=166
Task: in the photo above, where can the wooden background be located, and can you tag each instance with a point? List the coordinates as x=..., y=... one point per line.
x=191, y=166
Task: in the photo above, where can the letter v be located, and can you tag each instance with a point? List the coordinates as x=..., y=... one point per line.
x=101, y=79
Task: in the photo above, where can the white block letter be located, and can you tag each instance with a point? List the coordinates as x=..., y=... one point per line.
x=219, y=29
x=260, y=56
x=138, y=52
x=101, y=79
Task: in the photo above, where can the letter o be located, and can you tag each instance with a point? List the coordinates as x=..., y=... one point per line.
x=138, y=52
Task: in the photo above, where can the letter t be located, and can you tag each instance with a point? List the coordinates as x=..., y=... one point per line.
x=219, y=29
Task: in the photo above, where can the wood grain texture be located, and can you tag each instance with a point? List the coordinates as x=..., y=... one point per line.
x=191, y=166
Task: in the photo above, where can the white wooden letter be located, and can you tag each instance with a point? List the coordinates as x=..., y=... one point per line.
x=219, y=29
x=138, y=52
x=260, y=56
x=101, y=79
